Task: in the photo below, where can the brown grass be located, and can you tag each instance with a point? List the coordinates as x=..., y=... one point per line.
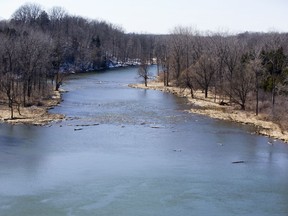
x=33, y=114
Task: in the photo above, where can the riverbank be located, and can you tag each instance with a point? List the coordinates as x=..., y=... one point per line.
x=207, y=107
x=34, y=115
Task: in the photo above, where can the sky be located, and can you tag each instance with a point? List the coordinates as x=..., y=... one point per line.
x=161, y=16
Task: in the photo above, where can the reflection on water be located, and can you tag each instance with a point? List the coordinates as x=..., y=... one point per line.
x=137, y=152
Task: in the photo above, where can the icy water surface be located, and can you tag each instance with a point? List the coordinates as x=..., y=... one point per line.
x=133, y=152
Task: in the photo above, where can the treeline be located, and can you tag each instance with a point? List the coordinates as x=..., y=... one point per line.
x=249, y=69
x=38, y=48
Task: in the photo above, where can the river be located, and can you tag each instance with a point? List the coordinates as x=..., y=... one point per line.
x=134, y=152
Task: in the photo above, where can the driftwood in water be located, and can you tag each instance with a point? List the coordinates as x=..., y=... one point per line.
x=78, y=129
x=236, y=162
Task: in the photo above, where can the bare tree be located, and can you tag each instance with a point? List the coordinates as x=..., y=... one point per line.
x=27, y=14
x=242, y=85
x=204, y=70
x=143, y=71
x=164, y=59
x=185, y=49
x=232, y=52
x=32, y=58
x=178, y=51
x=256, y=67
x=57, y=17
x=187, y=80
x=10, y=87
x=9, y=80
x=217, y=48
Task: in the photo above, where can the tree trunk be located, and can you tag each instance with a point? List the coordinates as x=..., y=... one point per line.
x=273, y=95
x=206, y=92
x=18, y=109
x=257, y=97
x=191, y=92
x=58, y=84
x=166, y=78
x=11, y=109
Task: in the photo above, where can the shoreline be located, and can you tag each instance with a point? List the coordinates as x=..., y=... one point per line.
x=207, y=107
x=34, y=115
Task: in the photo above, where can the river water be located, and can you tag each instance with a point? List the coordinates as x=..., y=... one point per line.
x=134, y=152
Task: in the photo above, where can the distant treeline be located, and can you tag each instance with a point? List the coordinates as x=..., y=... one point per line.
x=39, y=47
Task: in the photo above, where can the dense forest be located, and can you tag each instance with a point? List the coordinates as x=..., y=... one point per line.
x=38, y=48
x=247, y=70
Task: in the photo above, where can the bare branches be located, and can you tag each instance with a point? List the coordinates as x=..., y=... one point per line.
x=143, y=71
x=27, y=14
x=238, y=67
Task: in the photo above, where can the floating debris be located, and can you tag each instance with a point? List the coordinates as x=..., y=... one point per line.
x=78, y=129
x=177, y=150
x=87, y=125
x=237, y=162
x=270, y=143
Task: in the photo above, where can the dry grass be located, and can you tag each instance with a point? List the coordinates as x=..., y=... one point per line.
x=37, y=115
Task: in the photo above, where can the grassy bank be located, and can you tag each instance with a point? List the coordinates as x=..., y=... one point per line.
x=35, y=115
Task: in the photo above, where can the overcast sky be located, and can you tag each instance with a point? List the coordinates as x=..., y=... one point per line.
x=161, y=16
